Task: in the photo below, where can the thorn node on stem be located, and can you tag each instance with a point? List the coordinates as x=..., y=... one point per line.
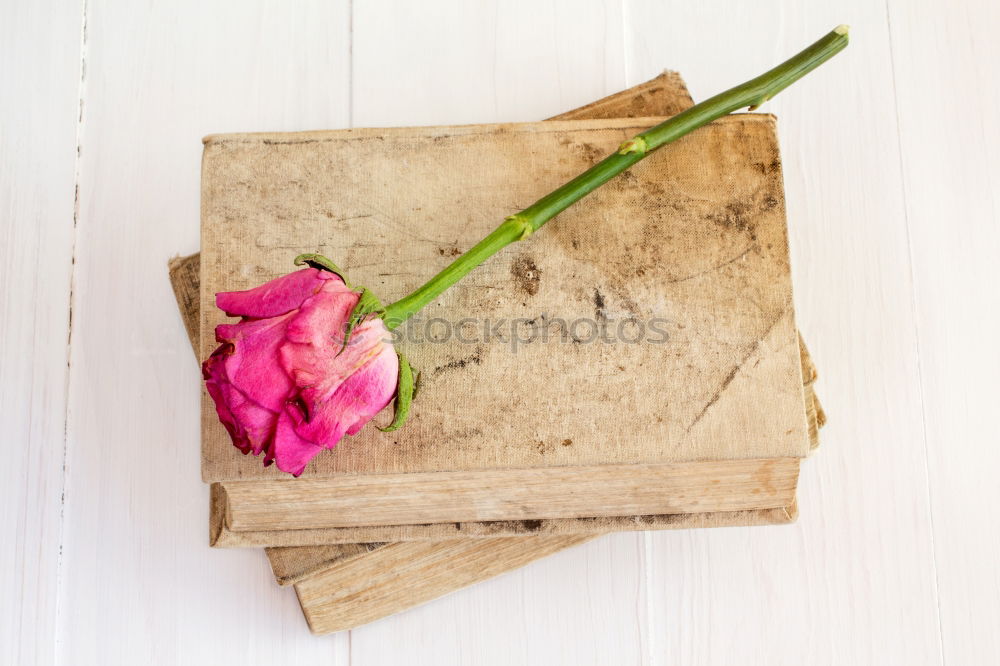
x=634, y=145
x=525, y=227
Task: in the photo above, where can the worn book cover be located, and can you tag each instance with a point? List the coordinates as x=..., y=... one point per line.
x=687, y=252
x=649, y=332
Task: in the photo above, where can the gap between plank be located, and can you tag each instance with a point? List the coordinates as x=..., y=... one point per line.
x=69, y=336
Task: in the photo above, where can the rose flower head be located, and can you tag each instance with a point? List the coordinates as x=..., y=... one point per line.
x=309, y=361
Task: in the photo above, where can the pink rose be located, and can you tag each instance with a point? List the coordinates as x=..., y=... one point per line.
x=282, y=379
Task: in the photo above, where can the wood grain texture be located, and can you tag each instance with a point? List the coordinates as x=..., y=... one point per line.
x=295, y=564
x=221, y=536
x=952, y=183
x=509, y=62
x=408, y=574
x=511, y=494
x=40, y=79
x=291, y=565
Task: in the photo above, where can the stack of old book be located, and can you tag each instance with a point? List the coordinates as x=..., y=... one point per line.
x=635, y=365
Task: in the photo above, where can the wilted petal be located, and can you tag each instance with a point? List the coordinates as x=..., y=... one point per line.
x=256, y=421
x=314, y=355
x=360, y=397
x=300, y=435
x=217, y=383
x=322, y=318
x=291, y=451
x=277, y=297
x=249, y=424
x=376, y=387
x=254, y=366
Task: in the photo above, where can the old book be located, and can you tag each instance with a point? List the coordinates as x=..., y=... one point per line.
x=696, y=238
x=342, y=564
x=655, y=95
x=663, y=94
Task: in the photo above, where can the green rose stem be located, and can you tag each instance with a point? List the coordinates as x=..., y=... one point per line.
x=517, y=227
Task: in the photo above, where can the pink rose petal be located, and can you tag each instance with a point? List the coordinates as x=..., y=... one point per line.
x=254, y=367
x=360, y=397
x=315, y=357
x=277, y=297
x=249, y=425
x=214, y=372
x=292, y=452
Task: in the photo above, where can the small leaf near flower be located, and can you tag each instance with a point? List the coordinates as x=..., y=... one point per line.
x=368, y=304
x=404, y=395
x=319, y=262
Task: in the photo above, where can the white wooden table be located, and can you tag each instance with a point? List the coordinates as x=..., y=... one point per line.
x=892, y=167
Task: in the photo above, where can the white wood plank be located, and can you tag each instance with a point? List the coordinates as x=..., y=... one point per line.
x=39, y=77
x=947, y=73
x=455, y=62
x=566, y=609
x=854, y=580
x=140, y=584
